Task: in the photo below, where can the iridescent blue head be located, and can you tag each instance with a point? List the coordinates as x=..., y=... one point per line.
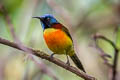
x=47, y=21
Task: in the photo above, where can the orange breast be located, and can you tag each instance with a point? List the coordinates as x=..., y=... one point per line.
x=57, y=40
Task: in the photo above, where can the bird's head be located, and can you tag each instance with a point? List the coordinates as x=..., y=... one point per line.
x=47, y=20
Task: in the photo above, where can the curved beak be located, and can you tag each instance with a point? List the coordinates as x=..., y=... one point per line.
x=41, y=18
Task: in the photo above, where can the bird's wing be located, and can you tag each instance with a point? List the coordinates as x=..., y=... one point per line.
x=66, y=31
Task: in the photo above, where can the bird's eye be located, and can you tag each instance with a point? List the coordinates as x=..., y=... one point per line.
x=48, y=19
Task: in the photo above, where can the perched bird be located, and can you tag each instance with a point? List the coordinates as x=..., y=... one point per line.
x=58, y=38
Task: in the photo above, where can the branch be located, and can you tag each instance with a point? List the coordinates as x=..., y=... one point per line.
x=115, y=62
x=114, y=72
x=103, y=55
x=97, y=36
x=47, y=57
x=116, y=51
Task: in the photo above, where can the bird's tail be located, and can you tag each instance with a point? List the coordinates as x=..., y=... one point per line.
x=77, y=62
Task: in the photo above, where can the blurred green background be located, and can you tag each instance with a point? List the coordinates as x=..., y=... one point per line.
x=83, y=18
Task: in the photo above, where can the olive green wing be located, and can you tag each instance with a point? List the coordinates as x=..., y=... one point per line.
x=67, y=32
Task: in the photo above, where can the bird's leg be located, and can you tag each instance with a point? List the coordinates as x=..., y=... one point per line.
x=68, y=62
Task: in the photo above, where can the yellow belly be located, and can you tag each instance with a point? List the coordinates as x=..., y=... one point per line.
x=57, y=41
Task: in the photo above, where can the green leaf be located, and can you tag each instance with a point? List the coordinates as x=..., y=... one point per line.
x=106, y=47
x=118, y=38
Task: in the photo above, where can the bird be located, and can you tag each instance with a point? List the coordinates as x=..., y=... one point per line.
x=58, y=39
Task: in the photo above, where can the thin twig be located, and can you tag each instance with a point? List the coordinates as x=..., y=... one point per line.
x=56, y=61
x=116, y=51
x=116, y=8
x=104, y=38
x=115, y=64
x=103, y=55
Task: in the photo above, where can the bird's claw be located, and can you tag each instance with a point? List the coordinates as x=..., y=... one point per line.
x=68, y=63
x=51, y=56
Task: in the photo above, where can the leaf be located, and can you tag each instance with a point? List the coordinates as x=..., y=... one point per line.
x=106, y=47
x=118, y=38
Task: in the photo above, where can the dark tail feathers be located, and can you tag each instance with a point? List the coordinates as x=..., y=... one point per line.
x=77, y=62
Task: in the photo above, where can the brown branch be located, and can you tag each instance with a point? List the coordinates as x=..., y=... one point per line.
x=47, y=57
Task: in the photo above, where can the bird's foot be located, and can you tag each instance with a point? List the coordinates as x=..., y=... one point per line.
x=51, y=56
x=68, y=62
